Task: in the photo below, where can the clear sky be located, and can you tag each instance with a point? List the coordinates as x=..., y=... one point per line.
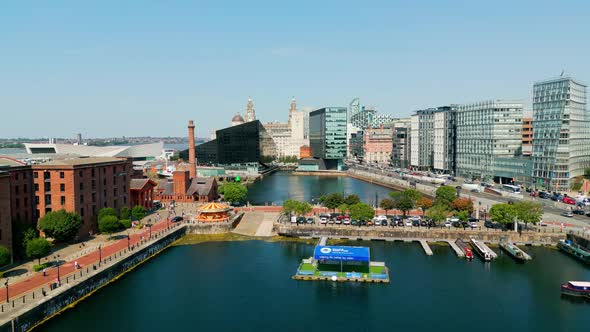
x=134, y=68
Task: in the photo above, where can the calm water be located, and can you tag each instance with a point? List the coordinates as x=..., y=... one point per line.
x=281, y=186
x=246, y=286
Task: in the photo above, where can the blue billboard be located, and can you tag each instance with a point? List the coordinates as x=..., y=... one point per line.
x=339, y=253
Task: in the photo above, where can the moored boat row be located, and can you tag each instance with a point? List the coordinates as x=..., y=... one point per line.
x=574, y=250
x=576, y=288
x=481, y=250
x=514, y=251
x=466, y=250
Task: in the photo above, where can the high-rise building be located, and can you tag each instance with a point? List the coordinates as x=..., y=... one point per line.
x=400, y=154
x=422, y=139
x=281, y=134
x=250, y=114
x=561, y=133
x=297, y=126
x=486, y=131
x=327, y=136
x=444, y=131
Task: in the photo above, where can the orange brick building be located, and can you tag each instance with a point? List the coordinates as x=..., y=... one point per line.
x=82, y=185
x=305, y=152
x=5, y=213
x=22, y=195
x=142, y=192
x=184, y=189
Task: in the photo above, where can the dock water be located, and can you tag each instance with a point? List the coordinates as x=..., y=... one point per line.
x=456, y=248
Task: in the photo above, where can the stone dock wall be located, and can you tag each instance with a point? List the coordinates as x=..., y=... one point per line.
x=27, y=317
x=416, y=234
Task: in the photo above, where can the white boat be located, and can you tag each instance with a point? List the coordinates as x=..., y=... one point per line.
x=483, y=252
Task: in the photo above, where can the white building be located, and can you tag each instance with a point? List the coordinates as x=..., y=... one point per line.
x=289, y=137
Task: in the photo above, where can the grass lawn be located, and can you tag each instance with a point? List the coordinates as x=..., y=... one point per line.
x=306, y=267
x=377, y=269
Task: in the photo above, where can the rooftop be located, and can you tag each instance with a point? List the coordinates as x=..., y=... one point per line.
x=82, y=161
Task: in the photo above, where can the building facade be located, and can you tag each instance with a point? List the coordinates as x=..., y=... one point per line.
x=378, y=145
x=250, y=114
x=527, y=133
x=444, y=131
x=182, y=188
x=281, y=135
x=142, y=192
x=400, y=154
x=561, y=133
x=327, y=135
x=422, y=139
x=5, y=212
x=485, y=131
x=82, y=185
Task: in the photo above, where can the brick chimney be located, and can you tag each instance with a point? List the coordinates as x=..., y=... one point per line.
x=191, y=150
x=181, y=182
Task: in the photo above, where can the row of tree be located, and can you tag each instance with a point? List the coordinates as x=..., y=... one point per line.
x=109, y=221
x=233, y=192
x=524, y=211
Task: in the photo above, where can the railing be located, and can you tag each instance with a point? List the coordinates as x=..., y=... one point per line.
x=21, y=300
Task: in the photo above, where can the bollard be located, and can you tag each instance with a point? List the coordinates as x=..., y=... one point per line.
x=24, y=298
x=33, y=295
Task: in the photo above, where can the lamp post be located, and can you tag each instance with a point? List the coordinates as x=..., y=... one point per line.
x=99, y=255
x=57, y=266
x=150, y=228
x=6, y=285
x=128, y=240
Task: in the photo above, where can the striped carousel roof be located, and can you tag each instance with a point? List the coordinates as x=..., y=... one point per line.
x=214, y=207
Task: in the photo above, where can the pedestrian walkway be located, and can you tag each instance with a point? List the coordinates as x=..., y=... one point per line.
x=66, y=268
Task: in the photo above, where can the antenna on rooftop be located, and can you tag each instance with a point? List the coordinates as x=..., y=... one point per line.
x=561, y=75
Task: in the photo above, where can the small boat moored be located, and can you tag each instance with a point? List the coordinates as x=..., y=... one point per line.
x=483, y=252
x=466, y=250
x=514, y=251
x=576, y=288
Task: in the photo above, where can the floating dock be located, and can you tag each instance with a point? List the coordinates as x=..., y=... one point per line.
x=456, y=248
x=323, y=241
x=426, y=247
x=492, y=253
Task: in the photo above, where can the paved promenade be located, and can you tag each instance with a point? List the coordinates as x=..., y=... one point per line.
x=67, y=268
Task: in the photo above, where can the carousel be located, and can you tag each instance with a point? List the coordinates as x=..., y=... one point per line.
x=213, y=212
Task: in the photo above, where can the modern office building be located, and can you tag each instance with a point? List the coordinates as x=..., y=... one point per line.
x=561, y=133
x=400, y=154
x=444, y=131
x=486, y=131
x=422, y=139
x=355, y=146
x=327, y=136
x=248, y=143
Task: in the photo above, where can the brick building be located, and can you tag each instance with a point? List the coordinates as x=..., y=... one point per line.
x=5, y=212
x=142, y=192
x=527, y=133
x=22, y=195
x=184, y=189
x=82, y=185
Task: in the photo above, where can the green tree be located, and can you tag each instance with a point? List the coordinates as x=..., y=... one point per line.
x=125, y=223
x=333, y=200
x=503, y=213
x=342, y=208
x=235, y=192
x=387, y=204
x=303, y=208
x=413, y=194
x=462, y=215
x=109, y=224
x=4, y=256
x=404, y=204
x=60, y=225
x=138, y=212
x=289, y=206
x=38, y=248
x=528, y=212
x=438, y=213
x=107, y=212
x=587, y=173
x=361, y=211
x=445, y=195
x=352, y=200
x=424, y=204
x=125, y=212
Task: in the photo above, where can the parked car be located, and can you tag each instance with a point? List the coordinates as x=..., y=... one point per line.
x=346, y=221
x=544, y=195
x=369, y=222
x=363, y=223
x=456, y=223
x=323, y=220
x=301, y=220
x=400, y=223
x=568, y=200
x=567, y=214
x=488, y=224
x=354, y=222
x=377, y=221
x=384, y=222
x=310, y=220
x=331, y=221
x=579, y=212
x=448, y=224
x=176, y=219
x=424, y=223
x=338, y=221
x=415, y=223
x=408, y=222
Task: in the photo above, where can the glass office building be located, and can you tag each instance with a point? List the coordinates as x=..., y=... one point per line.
x=561, y=133
x=248, y=143
x=486, y=131
x=327, y=136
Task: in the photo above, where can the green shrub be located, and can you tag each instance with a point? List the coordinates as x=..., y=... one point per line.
x=109, y=224
x=40, y=267
x=125, y=222
x=4, y=256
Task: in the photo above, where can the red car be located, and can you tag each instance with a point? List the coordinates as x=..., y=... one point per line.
x=569, y=200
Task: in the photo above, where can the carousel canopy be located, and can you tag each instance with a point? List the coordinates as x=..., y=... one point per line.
x=213, y=207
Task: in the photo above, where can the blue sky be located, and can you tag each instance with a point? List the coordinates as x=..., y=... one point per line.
x=134, y=68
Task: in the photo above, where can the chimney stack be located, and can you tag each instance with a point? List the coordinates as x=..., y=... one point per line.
x=191, y=150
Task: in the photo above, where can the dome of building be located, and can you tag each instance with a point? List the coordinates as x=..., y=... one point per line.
x=237, y=120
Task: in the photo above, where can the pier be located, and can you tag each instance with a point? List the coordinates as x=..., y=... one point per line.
x=455, y=248
x=323, y=241
x=426, y=247
x=492, y=253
